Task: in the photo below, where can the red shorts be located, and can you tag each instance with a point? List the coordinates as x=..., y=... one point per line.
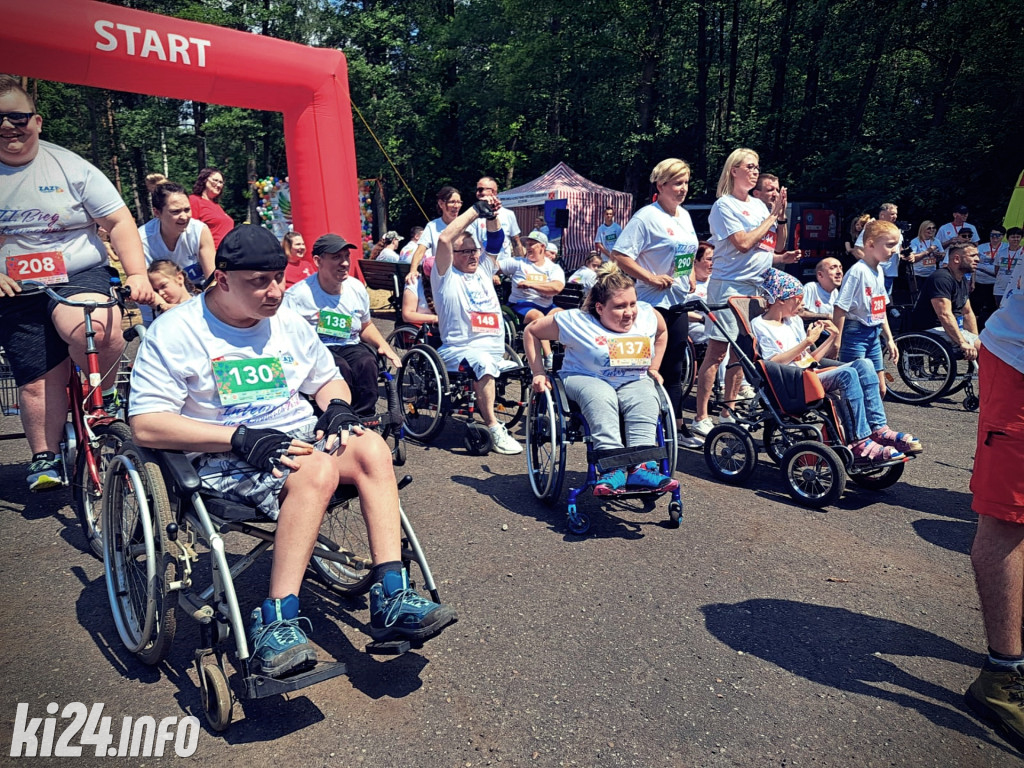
x=997, y=482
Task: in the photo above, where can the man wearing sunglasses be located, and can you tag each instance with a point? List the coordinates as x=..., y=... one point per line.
x=51, y=203
x=488, y=187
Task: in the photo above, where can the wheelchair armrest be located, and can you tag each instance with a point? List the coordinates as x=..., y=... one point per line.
x=180, y=470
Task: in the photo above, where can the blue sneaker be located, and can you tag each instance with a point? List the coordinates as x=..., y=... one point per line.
x=645, y=477
x=610, y=483
x=45, y=472
x=396, y=611
x=279, y=646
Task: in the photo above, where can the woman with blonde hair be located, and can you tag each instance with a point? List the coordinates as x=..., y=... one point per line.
x=925, y=251
x=739, y=225
x=657, y=248
x=614, y=345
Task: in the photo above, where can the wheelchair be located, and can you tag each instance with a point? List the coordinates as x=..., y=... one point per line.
x=428, y=393
x=554, y=421
x=803, y=428
x=164, y=536
x=928, y=368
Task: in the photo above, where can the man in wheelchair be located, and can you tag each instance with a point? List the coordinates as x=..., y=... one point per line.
x=946, y=297
x=337, y=306
x=468, y=311
x=223, y=378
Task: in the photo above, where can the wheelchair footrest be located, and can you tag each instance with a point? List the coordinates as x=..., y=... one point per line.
x=389, y=647
x=625, y=457
x=259, y=687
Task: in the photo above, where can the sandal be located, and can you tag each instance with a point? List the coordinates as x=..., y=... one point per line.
x=869, y=452
x=904, y=442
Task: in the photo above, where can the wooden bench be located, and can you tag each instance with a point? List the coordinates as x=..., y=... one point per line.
x=571, y=296
x=386, y=276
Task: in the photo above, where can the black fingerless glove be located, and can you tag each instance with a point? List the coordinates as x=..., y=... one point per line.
x=263, y=448
x=338, y=416
x=483, y=209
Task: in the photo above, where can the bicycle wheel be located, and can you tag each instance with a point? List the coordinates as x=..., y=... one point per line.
x=924, y=371
x=90, y=469
x=509, y=393
x=422, y=388
x=343, y=534
x=140, y=562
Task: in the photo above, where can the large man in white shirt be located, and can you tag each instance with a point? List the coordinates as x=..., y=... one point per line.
x=488, y=187
x=607, y=234
x=958, y=229
x=820, y=296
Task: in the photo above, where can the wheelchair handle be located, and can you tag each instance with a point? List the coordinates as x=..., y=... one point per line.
x=404, y=482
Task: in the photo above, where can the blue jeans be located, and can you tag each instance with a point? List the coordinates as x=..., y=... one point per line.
x=858, y=384
x=861, y=341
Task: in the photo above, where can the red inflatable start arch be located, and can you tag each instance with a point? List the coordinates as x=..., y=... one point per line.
x=106, y=46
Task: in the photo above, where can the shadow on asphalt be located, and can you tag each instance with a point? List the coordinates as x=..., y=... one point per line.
x=845, y=650
x=953, y=535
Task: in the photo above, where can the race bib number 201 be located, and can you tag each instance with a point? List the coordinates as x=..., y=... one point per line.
x=246, y=381
x=48, y=268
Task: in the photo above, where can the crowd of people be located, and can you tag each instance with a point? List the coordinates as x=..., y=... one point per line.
x=262, y=378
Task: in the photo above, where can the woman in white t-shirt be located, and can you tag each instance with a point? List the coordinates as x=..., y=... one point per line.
x=657, y=248
x=781, y=338
x=175, y=236
x=586, y=275
x=925, y=251
x=449, y=203
x=739, y=225
x=614, y=346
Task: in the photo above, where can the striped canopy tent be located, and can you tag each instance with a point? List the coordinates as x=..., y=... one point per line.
x=586, y=202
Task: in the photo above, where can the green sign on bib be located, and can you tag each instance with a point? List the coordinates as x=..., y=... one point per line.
x=335, y=324
x=683, y=262
x=246, y=381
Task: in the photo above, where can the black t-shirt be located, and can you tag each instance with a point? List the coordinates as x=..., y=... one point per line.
x=941, y=284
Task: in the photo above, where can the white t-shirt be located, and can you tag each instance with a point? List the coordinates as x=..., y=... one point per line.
x=422, y=306
x=862, y=294
x=593, y=350
x=51, y=204
x=818, y=300
x=468, y=311
x=663, y=245
x=773, y=339
x=388, y=254
x=729, y=216
x=1009, y=262
x=987, y=260
x=405, y=255
x=891, y=267
x=928, y=264
x=337, y=318
x=432, y=235
x=524, y=270
x=608, y=235
x=949, y=231
x=585, y=277
x=509, y=225
x=174, y=370
x=186, y=250
x=1004, y=330
x=698, y=330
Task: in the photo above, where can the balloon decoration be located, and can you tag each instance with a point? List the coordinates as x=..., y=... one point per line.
x=275, y=204
x=366, y=214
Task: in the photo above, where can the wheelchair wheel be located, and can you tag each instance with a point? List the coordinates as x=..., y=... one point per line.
x=477, y=439
x=924, y=371
x=545, y=446
x=216, y=697
x=689, y=369
x=966, y=373
x=730, y=454
x=343, y=533
x=814, y=475
x=403, y=338
x=139, y=560
x=422, y=388
x=669, y=428
x=509, y=393
x=512, y=327
x=777, y=441
x=878, y=479
x=90, y=467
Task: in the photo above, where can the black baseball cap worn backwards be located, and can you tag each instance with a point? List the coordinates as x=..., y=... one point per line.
x=250, y=246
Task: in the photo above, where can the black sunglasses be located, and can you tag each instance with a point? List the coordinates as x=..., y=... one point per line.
x=17, y=119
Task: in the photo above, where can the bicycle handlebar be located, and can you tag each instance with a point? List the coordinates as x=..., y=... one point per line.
x=34, y=288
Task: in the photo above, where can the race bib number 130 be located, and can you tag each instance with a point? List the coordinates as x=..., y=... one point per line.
x=246, y=381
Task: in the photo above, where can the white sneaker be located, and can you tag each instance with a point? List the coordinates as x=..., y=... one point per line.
x=747, y=392
x=702, y=427
x=503, y=442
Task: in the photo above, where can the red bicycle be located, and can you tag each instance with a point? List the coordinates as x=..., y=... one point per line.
x=92, y=435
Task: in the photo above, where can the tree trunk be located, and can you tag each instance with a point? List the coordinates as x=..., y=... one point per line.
x=780, y=63
x=115, y=165
x=805, y=129
x=868, y=83
x=734, y=46
x=700, y=168
x=198, y=123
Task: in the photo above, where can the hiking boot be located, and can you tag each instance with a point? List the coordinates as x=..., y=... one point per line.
x=645, y=477
x=396, y=611
x=610, y=483
x=45, y=472
x=997, y=696
x=503, y=442
x=279, y=646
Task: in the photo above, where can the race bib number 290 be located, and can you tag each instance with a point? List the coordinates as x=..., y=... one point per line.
x=48, y=268
x=246, y=381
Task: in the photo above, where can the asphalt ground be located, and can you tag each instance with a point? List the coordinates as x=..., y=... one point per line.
x=758, y=634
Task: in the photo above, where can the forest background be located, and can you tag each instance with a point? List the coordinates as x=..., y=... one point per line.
x=919, y=102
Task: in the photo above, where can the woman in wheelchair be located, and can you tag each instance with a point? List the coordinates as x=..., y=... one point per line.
x=613, y=348
x=223, y=376
x=781, y=338
x=415, y=307
x=338, y=307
